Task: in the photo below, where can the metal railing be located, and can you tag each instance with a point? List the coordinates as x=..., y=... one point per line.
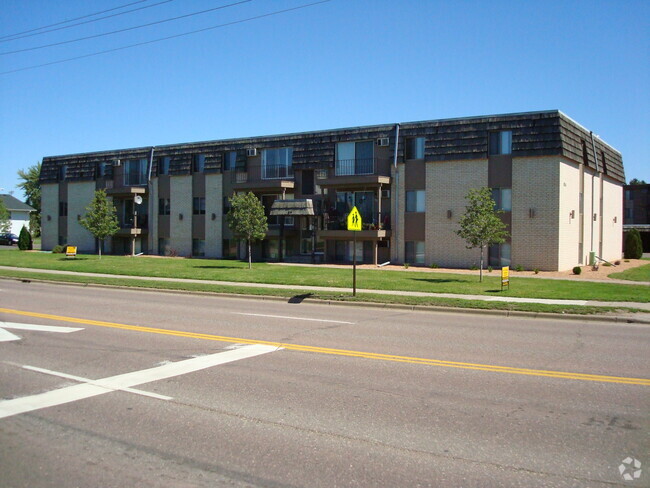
x=354, y=167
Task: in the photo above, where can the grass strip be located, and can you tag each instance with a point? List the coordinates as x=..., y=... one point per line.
x=402, y=280
x=298, y=295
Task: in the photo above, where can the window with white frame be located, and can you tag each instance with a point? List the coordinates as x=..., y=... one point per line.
x=276, y=163
x=415, y=201
x=135, y=171
x=355, y=158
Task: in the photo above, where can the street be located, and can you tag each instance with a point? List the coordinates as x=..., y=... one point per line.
x=142, y=388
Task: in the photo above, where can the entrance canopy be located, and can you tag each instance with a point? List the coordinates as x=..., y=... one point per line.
x=293, y=208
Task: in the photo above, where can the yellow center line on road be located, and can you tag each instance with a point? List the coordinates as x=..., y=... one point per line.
x=343, y=352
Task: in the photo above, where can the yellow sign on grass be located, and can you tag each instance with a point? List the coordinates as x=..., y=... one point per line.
x=505, y=277
x=354, y=219
x=71, y=251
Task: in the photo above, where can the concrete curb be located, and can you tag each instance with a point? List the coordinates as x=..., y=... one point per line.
x=392, y=306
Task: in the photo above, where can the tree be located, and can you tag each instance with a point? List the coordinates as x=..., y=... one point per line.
x=636, y=181
x=101, y=218
x=31, y=187
x=481, y=225
x=5, y=222
x=25, y=240
x=633, y=245
x=247, y=220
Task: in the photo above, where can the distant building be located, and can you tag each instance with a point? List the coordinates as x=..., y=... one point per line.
x=18, y=212
x=560, y=188
x=637, y=211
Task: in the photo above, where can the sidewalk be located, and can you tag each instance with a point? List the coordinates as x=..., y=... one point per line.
x=642, y=306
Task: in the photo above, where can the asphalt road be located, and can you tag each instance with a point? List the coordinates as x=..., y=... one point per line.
x=162, y=389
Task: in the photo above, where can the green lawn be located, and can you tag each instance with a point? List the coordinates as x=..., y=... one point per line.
x=236, y=271
x=642, y=273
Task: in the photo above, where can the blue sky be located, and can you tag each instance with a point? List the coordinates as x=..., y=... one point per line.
x=337, y=64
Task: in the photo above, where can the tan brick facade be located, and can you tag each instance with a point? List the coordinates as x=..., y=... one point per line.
x=50, y=215
x=214, y=206
x=447, y=184
x=80, y=194
x=181, y=204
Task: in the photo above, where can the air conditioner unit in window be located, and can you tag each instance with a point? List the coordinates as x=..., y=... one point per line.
x=251, y=151
x=382, y=141
x=385, y=194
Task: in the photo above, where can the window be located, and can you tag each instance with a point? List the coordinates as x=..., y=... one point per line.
x=101, y=170
x=308, y=182
x=501, y=142
x=63, y=172
x=63, y=209
x=198, y=163
x=415, y=148
x=198, y=206
x=164, y=206
x=276, y=163
x=363, y=200
x=230, y=160
x=499, y=255
x=355, y=158
x=134, y=172
x=502, y=198
x=415, y=252
x=415, y=201
x=163, y=246
x=163, y=165
x=230, y=248
x=198, y=247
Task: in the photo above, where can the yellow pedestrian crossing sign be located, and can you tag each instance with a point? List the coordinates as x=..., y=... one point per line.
x=354, y=219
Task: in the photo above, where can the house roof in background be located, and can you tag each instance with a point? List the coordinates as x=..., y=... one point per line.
x=12, y=203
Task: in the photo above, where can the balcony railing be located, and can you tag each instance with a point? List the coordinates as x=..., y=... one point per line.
x=354, y=167
x=276, y=171
x=338, y=222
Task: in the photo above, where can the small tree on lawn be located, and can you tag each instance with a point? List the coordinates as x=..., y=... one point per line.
x=25, y=240
x=5, y=222
x=633, y=245
x=247, y=220
x=481, y=226
x=101, y=218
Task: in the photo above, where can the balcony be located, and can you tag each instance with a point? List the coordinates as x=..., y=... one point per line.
x=258, y=178
x=358, y=173
x=336, y=228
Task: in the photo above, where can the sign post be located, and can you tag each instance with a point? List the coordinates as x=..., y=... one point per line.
x=505, y=277
x=354, y=224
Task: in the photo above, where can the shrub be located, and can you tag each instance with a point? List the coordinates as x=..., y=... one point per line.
x=25, y=240
x=473, y=267
x=172, y=253
x=607, y=264
x=490, y=269
x=59, y=249
x=536, y=271
x=627, y=260
x=617, y=262
x=633, y=245
x=406, y=265
x=577, y=270
x=519, y=267
x=434, y=266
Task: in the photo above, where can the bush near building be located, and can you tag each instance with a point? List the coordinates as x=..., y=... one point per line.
x=633, y=245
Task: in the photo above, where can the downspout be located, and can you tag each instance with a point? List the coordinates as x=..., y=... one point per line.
x=396, y=218
x=150, y=201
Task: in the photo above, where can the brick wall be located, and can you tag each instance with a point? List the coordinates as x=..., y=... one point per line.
x=612, y=236
x=181, y=203
x=80, y=194
x=214, y=205
x=447, y=184
x=50, y=208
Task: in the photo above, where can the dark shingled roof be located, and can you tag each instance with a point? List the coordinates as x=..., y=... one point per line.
x=12, y=203
x=545, y=133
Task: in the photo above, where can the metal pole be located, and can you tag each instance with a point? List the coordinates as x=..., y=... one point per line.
x=354, y=266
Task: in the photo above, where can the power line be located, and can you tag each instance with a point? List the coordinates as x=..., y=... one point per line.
x=141, y=26
x=72, y=20
x=98, y=53
x=85, y=21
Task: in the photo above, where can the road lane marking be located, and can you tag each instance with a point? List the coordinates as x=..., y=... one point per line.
x=101, y=383
x=293, y=318
x=6, y=336
x=39, y=328
x=69, y=394
x=345, y=352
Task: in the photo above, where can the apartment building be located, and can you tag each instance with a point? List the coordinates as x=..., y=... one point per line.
x=559, y=186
